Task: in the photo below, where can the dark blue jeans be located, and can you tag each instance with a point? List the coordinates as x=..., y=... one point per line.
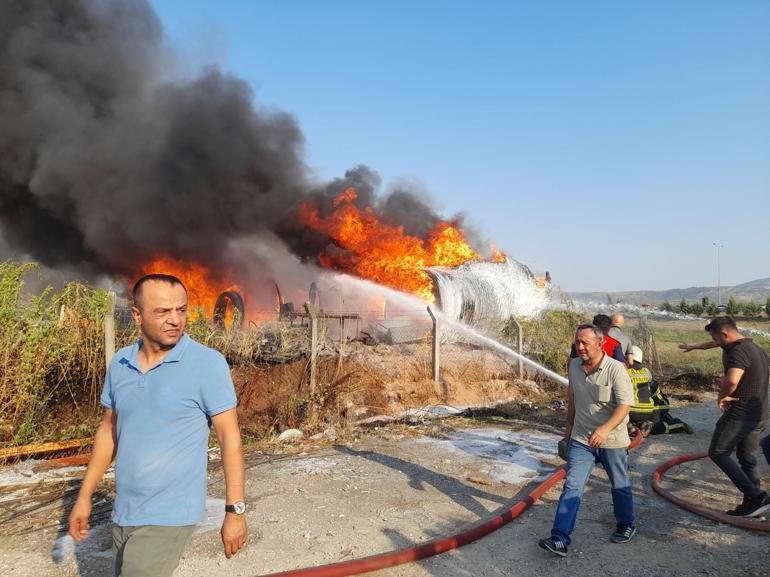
x=766, y=448
x=743, y=438
x=581, y=460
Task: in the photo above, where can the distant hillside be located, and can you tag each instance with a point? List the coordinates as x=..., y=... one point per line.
x=755, y=291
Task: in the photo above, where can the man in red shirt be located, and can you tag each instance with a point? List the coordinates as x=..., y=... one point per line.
x=610, y=346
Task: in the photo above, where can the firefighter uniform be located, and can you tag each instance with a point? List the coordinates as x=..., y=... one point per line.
x=651, y=404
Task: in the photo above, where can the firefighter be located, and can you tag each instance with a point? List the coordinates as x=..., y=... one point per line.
x=650, y=411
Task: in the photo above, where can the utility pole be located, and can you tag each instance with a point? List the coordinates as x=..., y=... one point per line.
x=719, y=276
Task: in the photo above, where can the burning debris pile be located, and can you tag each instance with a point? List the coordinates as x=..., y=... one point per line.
x=109, y=168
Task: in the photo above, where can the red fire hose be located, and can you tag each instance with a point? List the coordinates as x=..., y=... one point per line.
x=437, y=546
x=742, y=522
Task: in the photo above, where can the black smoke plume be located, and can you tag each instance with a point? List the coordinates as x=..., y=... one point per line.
x=105, y=164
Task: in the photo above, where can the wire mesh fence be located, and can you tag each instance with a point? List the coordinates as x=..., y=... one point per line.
x=404, y=345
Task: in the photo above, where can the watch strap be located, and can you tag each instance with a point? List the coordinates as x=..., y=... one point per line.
x=239, y=508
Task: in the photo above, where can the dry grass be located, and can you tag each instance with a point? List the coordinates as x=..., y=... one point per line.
x=52, y=359
x=278, y=397
x=52, y=366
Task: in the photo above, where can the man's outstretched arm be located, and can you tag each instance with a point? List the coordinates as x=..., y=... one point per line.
x=686, y=347
x=234, y=528
x=102, y=454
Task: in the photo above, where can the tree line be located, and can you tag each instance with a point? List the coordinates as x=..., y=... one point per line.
x=732, y=307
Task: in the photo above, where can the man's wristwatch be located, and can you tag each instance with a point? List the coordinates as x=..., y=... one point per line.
x=239, y=508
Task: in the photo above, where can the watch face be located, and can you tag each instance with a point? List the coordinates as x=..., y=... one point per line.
x=239, y=508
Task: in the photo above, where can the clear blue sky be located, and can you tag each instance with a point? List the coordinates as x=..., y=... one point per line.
x=611, y=143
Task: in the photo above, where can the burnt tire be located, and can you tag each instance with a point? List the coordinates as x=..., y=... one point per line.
x=235, y=301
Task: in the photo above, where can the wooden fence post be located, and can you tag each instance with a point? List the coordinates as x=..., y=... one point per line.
x=520, y=346
x=342, y=342
x=436, y=352
x=109, y=328
x=310, y=309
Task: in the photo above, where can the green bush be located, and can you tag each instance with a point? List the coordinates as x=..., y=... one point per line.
x=52, y=353
x=696, y=309
x=549, y=336
x=751, y=310
x=51, y=348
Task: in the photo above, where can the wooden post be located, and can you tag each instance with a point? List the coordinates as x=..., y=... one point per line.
x=310, y=309
x=520, y=347
x=436, y=356
x=521, y=351
x=109, y=329
x=342, y=342
x=436, y=352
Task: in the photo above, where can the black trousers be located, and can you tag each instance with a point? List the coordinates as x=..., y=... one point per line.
x=743, y=438
x=663, y=422
x=766, y=448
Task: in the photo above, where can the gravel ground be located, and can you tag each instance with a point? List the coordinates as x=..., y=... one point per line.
x=400, y=486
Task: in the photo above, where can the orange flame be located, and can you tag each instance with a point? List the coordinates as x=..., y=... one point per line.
x=384, y=253
x=497, y=254
x=203, y=285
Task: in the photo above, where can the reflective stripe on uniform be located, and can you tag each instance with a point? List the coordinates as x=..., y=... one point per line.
x=643, y=401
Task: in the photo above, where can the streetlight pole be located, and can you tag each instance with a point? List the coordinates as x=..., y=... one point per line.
x=719, y=279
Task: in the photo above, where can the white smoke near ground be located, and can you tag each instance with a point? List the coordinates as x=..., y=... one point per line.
x=635, y=310
x=754, y=332
x=345, y=293
x=592, y=307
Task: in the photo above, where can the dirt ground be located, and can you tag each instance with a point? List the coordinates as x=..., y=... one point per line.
x=403, y=485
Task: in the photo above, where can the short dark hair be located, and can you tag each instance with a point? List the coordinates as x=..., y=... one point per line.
x=136, y=292
x=603, y=322
x=597, y=331
x=717, y=324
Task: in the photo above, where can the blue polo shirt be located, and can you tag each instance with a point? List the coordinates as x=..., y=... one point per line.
x=163, y=425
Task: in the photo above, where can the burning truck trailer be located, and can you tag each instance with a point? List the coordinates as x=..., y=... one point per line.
x=376, y=260
x=482, y=295
x=479, y=294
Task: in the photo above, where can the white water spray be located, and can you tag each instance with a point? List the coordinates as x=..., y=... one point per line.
x=411, y=303
x=477, y=336
x=480, y=292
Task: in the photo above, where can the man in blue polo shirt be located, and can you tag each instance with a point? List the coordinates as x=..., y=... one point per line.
x=162, y=396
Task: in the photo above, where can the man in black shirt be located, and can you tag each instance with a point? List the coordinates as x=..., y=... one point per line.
x=743, y=400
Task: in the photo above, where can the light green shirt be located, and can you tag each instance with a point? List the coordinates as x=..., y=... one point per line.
x=596, y=397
